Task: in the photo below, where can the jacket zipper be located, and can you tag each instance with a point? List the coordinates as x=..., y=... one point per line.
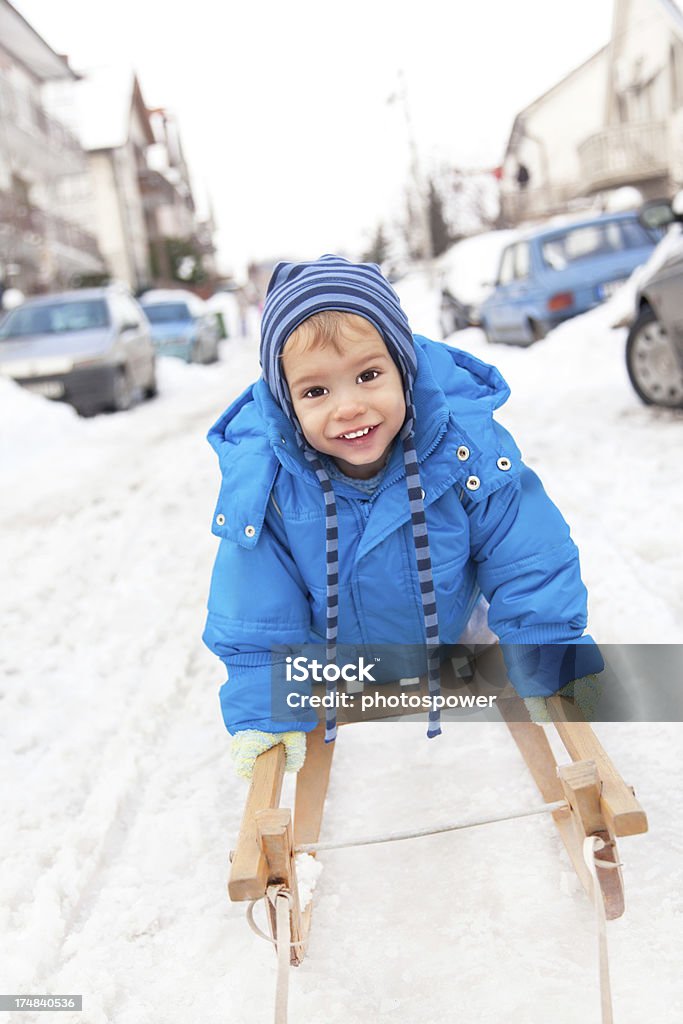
x=434, y=445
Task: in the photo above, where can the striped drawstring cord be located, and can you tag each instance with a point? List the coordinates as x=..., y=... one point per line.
x=332, y=578
x=424, y=568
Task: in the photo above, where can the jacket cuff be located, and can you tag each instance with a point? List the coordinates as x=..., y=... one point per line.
x=541, y=669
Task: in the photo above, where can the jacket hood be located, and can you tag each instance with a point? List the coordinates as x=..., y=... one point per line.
x=253, y=437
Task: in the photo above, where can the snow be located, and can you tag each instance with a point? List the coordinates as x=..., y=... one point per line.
x=469, y=267
x=103, y=97
x=119, y=799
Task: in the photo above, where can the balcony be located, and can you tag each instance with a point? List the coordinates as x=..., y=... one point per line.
x=531, y=203
x=624, y=154
x=35, y=227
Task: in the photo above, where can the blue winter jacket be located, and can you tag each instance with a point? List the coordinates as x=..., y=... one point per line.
x=504, y=539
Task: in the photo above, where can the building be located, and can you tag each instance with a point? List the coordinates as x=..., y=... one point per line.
x=615, y=121
x=180, y=244
x=144, y=211
x=111, y=118
x=42, y=168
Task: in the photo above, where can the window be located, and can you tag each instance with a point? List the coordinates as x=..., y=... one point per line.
x=55, y=318
x=593, y=240
x=167, y=313
x=521, y=260
x=507, y=266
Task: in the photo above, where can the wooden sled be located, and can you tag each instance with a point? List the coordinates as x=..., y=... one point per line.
x=597, y=802
x=264, y=854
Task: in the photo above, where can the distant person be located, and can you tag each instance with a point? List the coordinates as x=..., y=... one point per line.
x=370, y=497
x=523, y=177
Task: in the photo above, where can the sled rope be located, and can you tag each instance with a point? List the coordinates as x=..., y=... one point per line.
x=591, y=845
x=259, y=931
x=394, y=837
x=280, y=898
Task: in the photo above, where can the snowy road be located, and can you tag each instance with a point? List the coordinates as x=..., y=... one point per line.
x=119, y=802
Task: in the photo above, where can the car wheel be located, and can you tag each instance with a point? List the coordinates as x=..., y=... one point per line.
x=653, y=366
x=212, y=352
x=123, y=392
x=487, y=334
x=537, y=331
x=151, y=390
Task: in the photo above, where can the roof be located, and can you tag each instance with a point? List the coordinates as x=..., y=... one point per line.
x=77, y=294
x=566, y=222
x=21, y=40
x=157, y=296
x=675, y=13
x=519, y=118
x=104, y=99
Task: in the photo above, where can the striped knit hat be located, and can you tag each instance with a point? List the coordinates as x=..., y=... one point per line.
x=296, y=291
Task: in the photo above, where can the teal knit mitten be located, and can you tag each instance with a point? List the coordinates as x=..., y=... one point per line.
x=584, y=692
x=248, y=744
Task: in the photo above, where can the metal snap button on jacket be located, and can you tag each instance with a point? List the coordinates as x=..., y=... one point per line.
x=249, y=530
x=473, y=482
x=220, y=519
x=463, y=453
x=503, y=463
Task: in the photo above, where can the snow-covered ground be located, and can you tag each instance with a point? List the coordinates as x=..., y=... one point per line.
x=119, y=800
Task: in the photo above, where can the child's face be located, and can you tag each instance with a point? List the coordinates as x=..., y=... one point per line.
x=335, y=394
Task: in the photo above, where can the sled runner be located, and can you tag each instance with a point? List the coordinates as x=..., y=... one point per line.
x=589, y=801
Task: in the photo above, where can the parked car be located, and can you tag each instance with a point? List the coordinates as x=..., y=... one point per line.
x=555, y=272
x=453, y=314
x=466, y=272
x=182, y=325
x=91, y=348
x=654, y=346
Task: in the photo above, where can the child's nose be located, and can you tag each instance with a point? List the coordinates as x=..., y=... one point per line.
x=349, y=407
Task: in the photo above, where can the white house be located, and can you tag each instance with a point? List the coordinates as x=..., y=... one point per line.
x=115, y=131
x=616, y=120
x=42, y=166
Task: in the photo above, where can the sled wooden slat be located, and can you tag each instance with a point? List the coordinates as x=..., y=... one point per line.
x=249, y=869
x=623, y=813
x=309, y=802
x=534, y=747
x=311, y=787
x=275, y=839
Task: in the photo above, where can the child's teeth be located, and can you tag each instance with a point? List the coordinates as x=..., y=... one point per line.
x=357, y=433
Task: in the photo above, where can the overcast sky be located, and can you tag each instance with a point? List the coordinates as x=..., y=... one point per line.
x=283, y=105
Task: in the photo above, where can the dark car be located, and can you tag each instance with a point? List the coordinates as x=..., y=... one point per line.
x=182, y=325
x=90, y=348
x=654, y=347
x=560, y=270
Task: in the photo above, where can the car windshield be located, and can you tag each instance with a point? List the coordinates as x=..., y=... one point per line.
x=592, y=240
x=167, y=312
x=54, y=318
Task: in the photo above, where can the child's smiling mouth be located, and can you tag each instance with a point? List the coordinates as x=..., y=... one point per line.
x=357, y=435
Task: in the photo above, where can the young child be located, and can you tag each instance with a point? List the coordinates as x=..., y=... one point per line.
x=369, y=496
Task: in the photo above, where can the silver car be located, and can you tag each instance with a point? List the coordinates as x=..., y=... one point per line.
x=654, y=347
x=91, y=348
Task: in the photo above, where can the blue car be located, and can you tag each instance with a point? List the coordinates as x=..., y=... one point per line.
x=555, y=272
x=182, y=325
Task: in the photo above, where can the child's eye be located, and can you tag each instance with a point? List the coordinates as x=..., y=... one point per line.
x=314, y=392
x=367, y=375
